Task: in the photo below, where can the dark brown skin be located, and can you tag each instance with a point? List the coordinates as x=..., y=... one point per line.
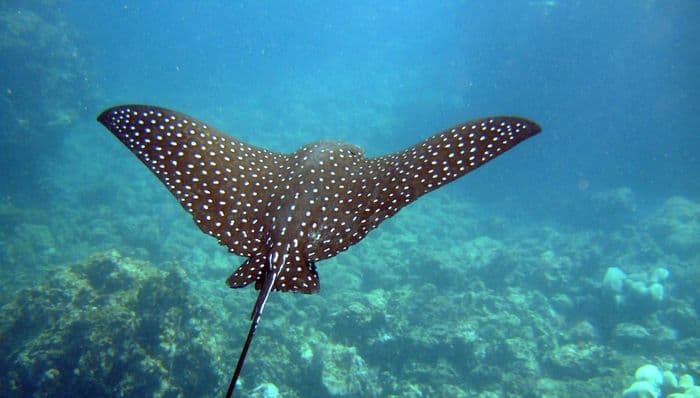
x=287, y=212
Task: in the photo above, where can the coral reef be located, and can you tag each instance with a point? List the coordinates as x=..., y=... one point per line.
x=265, y=390
x=635, y=290
x=345, y=373
x=110, y=326
x=676, y=226
x=597, y=295
x=651, y=382
x=536, y=311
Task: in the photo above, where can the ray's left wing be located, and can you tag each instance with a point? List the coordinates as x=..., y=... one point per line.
x=223, y=182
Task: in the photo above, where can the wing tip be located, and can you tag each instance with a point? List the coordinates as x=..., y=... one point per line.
x=107, y=116
x=104, y=116
x=531, y=126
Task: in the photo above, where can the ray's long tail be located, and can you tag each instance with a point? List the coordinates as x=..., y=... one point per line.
x=270, y=277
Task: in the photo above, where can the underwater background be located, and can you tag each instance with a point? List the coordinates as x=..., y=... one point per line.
x=570, y=267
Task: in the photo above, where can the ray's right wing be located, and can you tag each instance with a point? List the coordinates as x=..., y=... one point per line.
x=402, y=177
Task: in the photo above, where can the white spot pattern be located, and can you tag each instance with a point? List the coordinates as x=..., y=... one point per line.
x=311, y=204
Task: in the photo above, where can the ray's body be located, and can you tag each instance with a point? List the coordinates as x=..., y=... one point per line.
x=285, y=212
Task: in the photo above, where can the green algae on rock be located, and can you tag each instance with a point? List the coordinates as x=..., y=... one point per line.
x=677, y=226
x=346, y=374
x=109, y=326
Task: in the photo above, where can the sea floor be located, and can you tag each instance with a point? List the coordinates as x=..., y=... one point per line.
x=446, y=299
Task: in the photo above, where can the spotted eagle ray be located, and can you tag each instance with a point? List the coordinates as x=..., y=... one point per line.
x=286, y=212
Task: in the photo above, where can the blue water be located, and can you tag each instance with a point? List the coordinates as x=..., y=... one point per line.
x=612, y=181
